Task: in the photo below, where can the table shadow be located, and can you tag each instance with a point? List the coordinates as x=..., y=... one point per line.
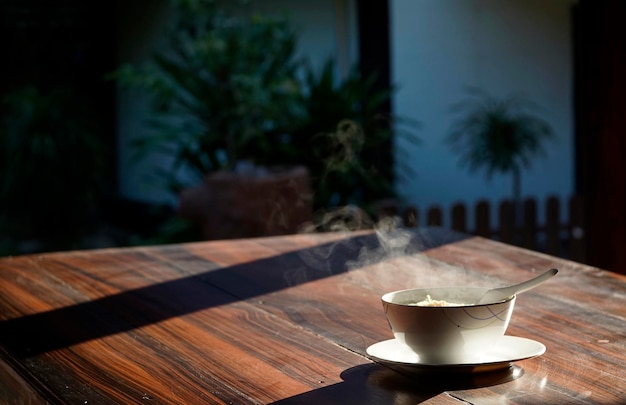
x=377, y=384
x=60, y=328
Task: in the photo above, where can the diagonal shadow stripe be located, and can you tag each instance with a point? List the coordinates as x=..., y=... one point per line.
x=38, y=333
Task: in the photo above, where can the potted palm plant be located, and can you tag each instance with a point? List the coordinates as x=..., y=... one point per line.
x=498, y=135
x=224, y=87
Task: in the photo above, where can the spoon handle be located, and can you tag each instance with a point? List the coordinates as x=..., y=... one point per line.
x=526, y=285
x=505, y=292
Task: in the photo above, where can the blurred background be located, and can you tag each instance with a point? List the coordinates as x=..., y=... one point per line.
x=125, y=123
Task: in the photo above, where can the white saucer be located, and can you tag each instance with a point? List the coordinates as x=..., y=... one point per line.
x=508, y=350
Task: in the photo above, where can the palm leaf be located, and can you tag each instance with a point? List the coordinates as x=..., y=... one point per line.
x=497, y=135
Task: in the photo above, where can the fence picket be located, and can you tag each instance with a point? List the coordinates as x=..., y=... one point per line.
x=529, y=224
x=459, y=218
x=552, y=226
x=506, y=211
x=410, y=217
x=435, y=217
x=553, y=237
x=483, y=222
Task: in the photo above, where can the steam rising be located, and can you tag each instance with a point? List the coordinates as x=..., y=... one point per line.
x=387, y=246
x=387, y=241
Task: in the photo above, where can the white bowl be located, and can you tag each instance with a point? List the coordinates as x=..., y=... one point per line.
x=447, y=334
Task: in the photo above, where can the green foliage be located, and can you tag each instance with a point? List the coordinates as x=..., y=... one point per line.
x=222, y=86
x=497, y=135
x=345, y=136
x=50, y=163
x=231, y=89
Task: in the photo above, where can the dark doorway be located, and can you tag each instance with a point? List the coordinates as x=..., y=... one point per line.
x=600, y=67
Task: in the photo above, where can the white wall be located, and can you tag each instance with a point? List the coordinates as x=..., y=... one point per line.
x=516, y=46
x=327, y=28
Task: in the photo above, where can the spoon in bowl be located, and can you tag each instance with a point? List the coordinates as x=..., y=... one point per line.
x=502, y=293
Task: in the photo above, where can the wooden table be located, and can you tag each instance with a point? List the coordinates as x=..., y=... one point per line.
x=287, y=320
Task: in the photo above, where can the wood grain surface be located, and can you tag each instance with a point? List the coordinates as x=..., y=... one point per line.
x=287, y=320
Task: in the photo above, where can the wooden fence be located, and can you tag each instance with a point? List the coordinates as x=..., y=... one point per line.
x=552, y=235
